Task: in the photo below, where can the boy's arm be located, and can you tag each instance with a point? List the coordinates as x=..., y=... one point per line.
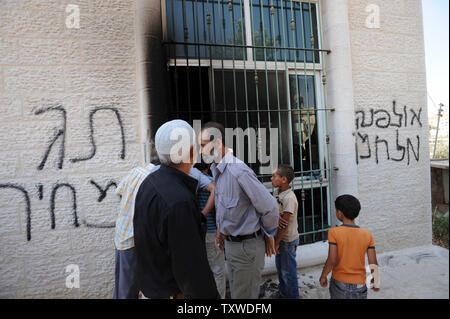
x=330, y=263
x=372, y=259
x=285, y=216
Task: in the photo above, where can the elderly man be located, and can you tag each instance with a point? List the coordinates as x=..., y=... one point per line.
x=246, y=212
x=170, y=250
x=125, y=276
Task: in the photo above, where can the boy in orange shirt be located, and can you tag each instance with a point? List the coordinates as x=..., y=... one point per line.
x=348, y=245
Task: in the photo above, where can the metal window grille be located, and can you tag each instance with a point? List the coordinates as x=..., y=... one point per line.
x=257, y=64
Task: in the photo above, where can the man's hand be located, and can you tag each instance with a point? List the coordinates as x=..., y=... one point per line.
x=270, y=246
x=219, y=240
x=323, y=281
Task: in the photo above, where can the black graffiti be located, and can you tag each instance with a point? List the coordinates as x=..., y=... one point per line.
x=365, y=139
x=386, y=119
x=92, y=139
x=408, y=144
x=399, y=115
x=416, y=116
x=52, y=204
x=103, y=191
x=363, y=119
x=40, y=191
x=377, y=142
x=382, y=118
x=27, y=203
x=60, y=133
x=60, y=136
x=74, y=203
x=382, y=146
x=399, y=148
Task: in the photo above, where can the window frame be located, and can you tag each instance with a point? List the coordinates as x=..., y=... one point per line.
x=302, y=68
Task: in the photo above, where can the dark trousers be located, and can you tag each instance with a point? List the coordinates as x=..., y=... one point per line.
x=126, y=286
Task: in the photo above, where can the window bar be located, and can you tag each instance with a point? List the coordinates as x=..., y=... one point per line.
x=286, y=70
x=265, y=71
x=177, y=101
x=198, y=50
x=245, y=46
x=308, y=114
x=256, y=73
x=243, y=31
x=314, y=42
x=306, y=172
x=168, y=51
x=214, y=28
x=316, y=231
x=223, y=34
x=255, y=111
x=300, y=137
x=283, y=14
x=231, y=15
x=272, y=14
x=186, y=54
x=325, y=104
x=208, y=21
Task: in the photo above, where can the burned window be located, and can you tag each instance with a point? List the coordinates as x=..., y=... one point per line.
x=257, y=64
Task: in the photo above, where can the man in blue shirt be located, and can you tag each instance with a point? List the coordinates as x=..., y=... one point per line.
x=246, y=214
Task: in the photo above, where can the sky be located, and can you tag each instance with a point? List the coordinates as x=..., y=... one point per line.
x=435, y=20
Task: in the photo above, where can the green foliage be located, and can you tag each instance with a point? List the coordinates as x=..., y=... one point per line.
x=440, y=229
x=442, y=149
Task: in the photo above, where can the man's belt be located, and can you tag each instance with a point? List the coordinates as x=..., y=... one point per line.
x=243, y=237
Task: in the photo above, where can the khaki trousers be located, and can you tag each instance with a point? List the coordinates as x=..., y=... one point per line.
x=245, y=262
x=216, y=259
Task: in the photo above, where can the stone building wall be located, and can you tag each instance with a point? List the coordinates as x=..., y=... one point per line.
x=391, y=126
x=69, y=126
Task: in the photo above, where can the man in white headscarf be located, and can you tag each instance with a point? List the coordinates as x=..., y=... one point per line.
x=170, y=251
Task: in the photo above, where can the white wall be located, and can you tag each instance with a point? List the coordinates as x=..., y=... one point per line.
x=44, y=64
x=340, y=96
x=388, y=65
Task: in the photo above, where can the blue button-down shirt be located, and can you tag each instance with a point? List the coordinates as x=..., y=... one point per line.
x=243, y=204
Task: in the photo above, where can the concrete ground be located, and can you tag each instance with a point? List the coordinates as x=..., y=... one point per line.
x=416, y=273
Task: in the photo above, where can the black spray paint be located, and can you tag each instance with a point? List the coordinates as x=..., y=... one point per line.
x=384, y=119
x=60, y=133
x=27, y=203
x=74, y=203
x=103, y=191
x=91, y=126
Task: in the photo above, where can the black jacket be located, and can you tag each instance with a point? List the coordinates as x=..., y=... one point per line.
x=170, y=248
